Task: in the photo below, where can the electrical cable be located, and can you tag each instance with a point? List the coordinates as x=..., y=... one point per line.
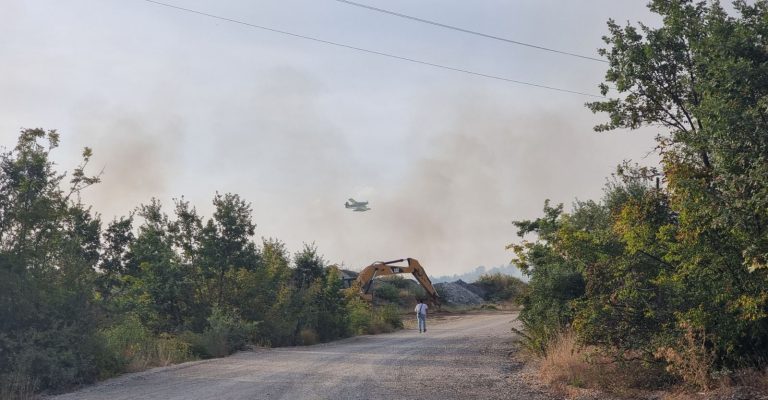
x=471, y=32
x=412, y=60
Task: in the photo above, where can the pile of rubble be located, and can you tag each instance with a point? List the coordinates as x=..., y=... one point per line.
x=460, y=293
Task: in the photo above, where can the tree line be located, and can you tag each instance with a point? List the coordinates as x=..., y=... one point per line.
x=668, y=271
x=82, y=300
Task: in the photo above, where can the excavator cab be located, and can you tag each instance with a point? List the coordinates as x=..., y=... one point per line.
x=379, y=268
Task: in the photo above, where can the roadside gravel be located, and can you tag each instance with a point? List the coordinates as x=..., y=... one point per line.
x=460, y=357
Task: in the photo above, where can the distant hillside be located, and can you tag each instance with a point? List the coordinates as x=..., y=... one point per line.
x=472, y=276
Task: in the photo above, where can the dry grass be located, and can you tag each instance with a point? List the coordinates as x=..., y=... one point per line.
x=690, y=359
x=748, y=378
x=506, y=305
x=580, y=371
x=171, y=350
x=410, y=323
x=565, y=364
x=308, y=337
x=572, y=369
x=160, y=352
x=18, y=387
x=744, y=384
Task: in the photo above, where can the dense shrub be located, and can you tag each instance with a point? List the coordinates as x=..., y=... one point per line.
x=127, y=346
x=360, y=315
x=308, y=337
x=51, y=359
x=617, y=273
x=415, y=292
x=389, y=316
x=367, y=319
x=130, y=346
x=399, y=282
x=500, y=287
x=226, y=333
x=18, y=387
x=172, y=350
x=387, y=291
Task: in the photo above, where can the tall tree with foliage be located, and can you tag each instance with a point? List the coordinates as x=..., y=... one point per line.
x=49, y=247
x=673, y=261
x=226, y=244
x=555, y=280
x=115, y=263
x=309, y=266
x=160, y=280
x=703, y=75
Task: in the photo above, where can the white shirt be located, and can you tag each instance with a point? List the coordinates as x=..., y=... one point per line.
x=421, y=308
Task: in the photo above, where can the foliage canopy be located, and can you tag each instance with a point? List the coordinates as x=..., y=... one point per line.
x=676, y=255
x=80, y=300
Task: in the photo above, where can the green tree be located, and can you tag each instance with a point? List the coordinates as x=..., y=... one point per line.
x=274, y=295
x=115, y=263
x=309, y=266
x=157, y=277
x=186, y=236
x=226, y=244
x=597, y=269
x=333, y=320
x=555, y=280
x=703, y=76
x=49, y=248
x=625, y=309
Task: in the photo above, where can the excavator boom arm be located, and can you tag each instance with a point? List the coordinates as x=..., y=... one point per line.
x=369, y=273
x=421, y=276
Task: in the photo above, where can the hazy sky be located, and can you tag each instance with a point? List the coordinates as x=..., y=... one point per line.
x=179, y=104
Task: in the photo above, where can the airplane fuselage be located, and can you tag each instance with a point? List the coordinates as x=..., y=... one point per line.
x=351, y=203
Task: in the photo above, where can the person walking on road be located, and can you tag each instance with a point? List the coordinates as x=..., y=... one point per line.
x=421, y=316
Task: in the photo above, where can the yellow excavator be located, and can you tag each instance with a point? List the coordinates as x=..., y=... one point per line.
x=379, y=268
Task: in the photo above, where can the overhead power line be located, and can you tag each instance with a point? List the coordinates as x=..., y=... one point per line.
x=346, y=46
x=471, y=32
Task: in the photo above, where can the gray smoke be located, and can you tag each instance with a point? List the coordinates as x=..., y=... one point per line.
x=473, y=166
x=481, y=168
x=138, y=153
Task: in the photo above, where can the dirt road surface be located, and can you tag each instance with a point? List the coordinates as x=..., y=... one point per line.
x=461, y=357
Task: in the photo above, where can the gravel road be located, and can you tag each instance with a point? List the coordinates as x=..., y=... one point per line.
x=460, y=357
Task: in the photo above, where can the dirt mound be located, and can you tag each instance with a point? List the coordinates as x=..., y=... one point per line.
x=473, y=288
x=458, y=294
